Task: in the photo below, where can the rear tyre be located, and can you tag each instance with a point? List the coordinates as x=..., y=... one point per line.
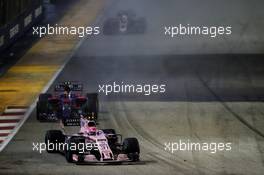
x=44, y=97
x=92, y=104
x=111, y=26
x=52, y=140
x=131, y=148
x=42, y=105
x=141, y=25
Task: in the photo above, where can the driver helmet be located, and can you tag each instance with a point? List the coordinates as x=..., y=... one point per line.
x=124, y=18
x=91, y=127
x=67, y=91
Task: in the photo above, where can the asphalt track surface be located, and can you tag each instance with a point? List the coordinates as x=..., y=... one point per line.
x=209, y=97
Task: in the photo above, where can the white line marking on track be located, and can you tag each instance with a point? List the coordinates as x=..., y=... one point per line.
x=7, y=124
x=5, y=131
x=10, y=117
x=14, y=110
x=3, y=137
x=16, y=107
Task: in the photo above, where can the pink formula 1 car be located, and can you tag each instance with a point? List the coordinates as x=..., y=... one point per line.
x=93, y=146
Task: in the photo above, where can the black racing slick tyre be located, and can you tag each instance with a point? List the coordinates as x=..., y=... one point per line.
x=42, y=105
x=140, y=26
x=111, y=26
x=131, y=148
x=44, y=97
x=92, y=104
x=96, y=154
x=68, y=156
x=53, y=138
x=74, y=142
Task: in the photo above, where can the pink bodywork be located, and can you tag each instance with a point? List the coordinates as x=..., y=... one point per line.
x=98, y=137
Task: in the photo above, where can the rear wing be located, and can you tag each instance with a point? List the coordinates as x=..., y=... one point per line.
x=75, y=120
x=74, y=86
x=72, y=122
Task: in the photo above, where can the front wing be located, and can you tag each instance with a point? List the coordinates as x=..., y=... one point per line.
x=122, y=160
x=110, y=162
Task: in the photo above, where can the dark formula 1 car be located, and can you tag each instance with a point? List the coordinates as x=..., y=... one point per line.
x=94, y=146
x=67, y=103
x=125, y=22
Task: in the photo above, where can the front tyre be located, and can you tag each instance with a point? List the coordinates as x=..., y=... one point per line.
x=42, y=105
x=131, y=148
x=53, y=138
x=74, y=142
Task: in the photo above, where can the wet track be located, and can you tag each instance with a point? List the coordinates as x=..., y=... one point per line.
x=209, y=97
